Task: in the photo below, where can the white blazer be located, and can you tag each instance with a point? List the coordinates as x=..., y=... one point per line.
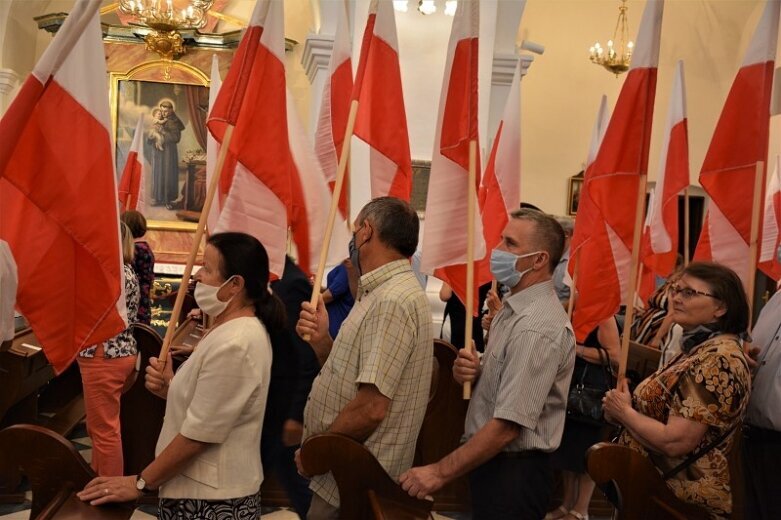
x=219, y=396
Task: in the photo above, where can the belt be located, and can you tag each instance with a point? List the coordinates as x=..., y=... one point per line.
x=528, y=454
x=761, y=434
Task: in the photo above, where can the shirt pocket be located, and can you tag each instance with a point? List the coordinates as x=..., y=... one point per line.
x=203, y=471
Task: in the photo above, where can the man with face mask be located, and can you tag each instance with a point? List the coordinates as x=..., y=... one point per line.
x=375, y=377
x=516, y=416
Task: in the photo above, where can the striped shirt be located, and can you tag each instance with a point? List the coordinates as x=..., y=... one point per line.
x=386, y=341
x=526, y=370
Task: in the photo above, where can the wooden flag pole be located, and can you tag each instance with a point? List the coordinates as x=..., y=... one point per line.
x=630, y=287
x=188, y=269
x=127, y=202
x=342, y=167
x=571, y=302
x=470, y=255
x=686, y=236
x=756, y=210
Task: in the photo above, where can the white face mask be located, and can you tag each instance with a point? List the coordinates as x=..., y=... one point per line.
x=206, y=298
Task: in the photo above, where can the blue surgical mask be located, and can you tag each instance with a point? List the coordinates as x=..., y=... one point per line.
x=503, y=267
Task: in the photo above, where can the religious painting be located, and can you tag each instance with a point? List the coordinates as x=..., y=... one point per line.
x=573, y=194
x=174, y=145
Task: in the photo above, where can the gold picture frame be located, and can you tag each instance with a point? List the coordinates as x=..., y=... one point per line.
x=573, y=193
x=142, y=89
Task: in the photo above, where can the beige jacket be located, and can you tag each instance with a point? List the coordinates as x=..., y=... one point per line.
x=219, y=396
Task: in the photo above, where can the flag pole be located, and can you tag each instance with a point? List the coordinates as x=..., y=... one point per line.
x=188, y=269
x=686, y=236
x=752, y=256
x=571, y=302
x=630, y=290
x=335, y=196
x=470, y=256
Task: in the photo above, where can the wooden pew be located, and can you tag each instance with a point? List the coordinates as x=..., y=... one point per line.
x=367, y=491
x=443, y=426
x=635, y=487
x=141, y=412
x=56, y=472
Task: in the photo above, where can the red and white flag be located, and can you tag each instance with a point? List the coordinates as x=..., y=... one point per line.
x=660, y=236
x=500, y=193
x=253, y=99
x=312, y=198
x=213, y=151
x=587, y=213
x=332, y=123
x=331, y=127
x=615, y=175
x=771, y=224
x=738, y=143
x=55, y=147
x=381, y=120
x=132, y=188
x=445, y=230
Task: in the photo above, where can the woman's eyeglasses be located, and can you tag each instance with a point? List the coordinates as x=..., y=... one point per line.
x=687, y=292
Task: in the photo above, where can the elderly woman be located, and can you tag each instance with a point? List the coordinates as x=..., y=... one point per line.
x=208, y=463
x=692, y=406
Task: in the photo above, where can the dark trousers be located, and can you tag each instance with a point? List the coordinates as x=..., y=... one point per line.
x=281, y=462
x=515, y=486
x=761, y=463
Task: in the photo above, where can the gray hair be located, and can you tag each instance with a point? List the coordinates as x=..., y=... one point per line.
x=395, y=221
x=548, y=233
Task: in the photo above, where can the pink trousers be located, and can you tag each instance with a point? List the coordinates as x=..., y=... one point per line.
x=103, y=381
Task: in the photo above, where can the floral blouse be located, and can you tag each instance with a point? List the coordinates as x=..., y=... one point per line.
x=711, y=385
x=144, y=267
x=123, y=344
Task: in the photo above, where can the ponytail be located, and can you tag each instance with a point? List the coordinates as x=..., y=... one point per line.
x=270, y=310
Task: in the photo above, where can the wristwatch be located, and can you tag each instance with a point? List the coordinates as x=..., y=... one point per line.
x=141, y=484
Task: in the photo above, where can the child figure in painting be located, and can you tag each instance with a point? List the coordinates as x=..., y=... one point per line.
x=156, y=132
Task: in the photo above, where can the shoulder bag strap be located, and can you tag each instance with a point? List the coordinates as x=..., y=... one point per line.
x=695, y=456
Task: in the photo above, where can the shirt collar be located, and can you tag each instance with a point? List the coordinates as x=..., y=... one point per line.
x=377, y=277
x=519, y=301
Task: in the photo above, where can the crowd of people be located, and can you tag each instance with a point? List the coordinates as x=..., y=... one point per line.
x=253, y=389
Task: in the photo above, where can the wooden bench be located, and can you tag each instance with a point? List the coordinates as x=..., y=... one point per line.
x=56, y=472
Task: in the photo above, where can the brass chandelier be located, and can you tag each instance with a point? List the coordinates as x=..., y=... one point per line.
x=618, y=54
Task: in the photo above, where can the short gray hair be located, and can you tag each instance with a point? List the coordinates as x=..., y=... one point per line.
x=395, y=221
x=548, y=233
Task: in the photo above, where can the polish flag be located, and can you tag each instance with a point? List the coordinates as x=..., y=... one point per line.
x=213, y=151
x=132, y=189
x=587, y=213
x=445, y=230
x=771, y=239
x=381, y=120
x=616, y=174
x=738, y=143
x=660, y=236
x=334, y=109
x=55, y=146
x=253, y=99
x=312, y=198
x=500, y=192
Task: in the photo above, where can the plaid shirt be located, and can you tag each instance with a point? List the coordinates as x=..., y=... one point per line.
x=386, y=341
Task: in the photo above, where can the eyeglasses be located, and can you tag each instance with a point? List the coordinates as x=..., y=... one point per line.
x=688, y=293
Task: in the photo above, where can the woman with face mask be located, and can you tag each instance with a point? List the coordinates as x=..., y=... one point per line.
x=208, y=461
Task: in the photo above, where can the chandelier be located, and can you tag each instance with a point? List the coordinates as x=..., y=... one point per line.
x=426, y=7
x=618, y=54
x=166, y=21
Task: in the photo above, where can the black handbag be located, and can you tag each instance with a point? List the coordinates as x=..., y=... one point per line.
x=584, y=403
